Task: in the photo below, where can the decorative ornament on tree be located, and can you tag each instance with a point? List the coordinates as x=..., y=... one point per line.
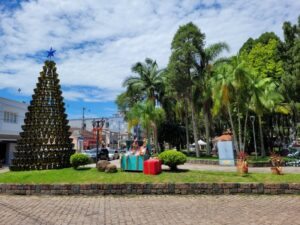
x=50, y=53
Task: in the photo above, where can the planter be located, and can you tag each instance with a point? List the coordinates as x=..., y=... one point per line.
x=276, y=170
x=242, y=167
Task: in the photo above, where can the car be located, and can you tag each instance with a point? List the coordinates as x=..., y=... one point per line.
x=192, y=148
x=122, y=150
x=113, y=154
x=91, y=153
x=294, y=154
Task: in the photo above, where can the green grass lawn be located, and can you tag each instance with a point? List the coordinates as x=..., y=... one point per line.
x=251, y=159
x=87, y=176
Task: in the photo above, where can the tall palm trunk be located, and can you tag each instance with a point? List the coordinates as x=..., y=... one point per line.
x=240, y=132
x=207, y=131
x=155, y=138
x=232, y=128
x=195, y=128
x=245, y=131
x=262, y=146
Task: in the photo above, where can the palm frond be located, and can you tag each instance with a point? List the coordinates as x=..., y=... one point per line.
x=214, y=50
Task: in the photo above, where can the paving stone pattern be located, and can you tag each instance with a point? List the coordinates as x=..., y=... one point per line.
x=156, y=210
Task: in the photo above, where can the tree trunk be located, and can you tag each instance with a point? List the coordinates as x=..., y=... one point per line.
x=207, y=132
x=195, y=128
x=240, y=131
x=262, y=147
x=245, y=131
x=271, y=133
x=155, y=138
x=233, y=130
x=187, y=128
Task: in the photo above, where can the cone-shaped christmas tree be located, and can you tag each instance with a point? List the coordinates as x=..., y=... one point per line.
x=45, y=141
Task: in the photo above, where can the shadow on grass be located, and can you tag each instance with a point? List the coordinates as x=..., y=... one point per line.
x=83, y=168
x=176, y=171
x=243, y=174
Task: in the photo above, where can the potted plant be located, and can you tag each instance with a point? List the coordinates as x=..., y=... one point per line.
x=242, y=164
x=276, y=161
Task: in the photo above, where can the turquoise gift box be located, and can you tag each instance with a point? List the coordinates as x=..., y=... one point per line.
x=133, y=162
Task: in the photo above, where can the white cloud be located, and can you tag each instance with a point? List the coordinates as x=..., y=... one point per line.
x=97, y=42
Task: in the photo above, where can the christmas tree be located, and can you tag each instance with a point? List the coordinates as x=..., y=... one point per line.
x=45, y=141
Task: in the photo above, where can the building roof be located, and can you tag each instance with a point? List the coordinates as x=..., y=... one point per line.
x=224, y=137
x=8, y=137
x=14, y=102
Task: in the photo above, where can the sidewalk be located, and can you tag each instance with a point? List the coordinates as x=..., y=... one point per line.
x=191, y=166
x=4, y=169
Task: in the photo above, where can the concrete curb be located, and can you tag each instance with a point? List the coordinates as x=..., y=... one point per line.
x=149, y=189
x=216, y=162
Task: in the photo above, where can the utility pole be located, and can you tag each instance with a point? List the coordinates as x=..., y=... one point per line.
x=83, y=122
x=119, y=135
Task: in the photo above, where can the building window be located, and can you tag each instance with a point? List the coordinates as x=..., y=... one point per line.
x=10, y=117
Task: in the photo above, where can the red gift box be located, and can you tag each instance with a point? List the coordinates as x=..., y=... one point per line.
x=152, y=166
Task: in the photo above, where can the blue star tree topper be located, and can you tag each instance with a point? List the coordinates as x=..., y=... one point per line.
x=50, y=53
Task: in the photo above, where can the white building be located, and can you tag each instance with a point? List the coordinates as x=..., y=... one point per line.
x=12, y=114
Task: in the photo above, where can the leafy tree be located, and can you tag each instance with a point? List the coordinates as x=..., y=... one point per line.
x=186, y=47
x=290, y=82
x=263, y=39
x=265, y=59
x=173, y=133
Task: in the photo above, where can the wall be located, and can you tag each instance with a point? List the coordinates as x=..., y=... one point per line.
x=152, y=189
x=16, y=107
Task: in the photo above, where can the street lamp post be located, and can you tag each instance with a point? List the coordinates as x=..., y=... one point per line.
x=98, y=124
x=252, y=118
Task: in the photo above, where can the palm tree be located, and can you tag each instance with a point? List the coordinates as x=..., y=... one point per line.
x=230, y=90
x=186, y=47
x=148, y=83
x=149, y=116
x=222, y=94
x=264, y=97
x=238, y=87
x=209, y=58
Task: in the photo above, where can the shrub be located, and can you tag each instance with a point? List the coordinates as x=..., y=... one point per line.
x=79, y=159
x=172, y=158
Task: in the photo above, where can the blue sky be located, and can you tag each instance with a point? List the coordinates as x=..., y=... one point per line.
x=97, y=41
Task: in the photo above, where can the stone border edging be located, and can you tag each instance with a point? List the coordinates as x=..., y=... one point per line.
x=203, y=161
x=150, y=189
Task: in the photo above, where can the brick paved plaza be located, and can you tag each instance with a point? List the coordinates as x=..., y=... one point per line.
x=158, y=210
